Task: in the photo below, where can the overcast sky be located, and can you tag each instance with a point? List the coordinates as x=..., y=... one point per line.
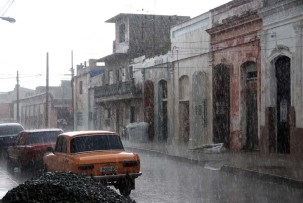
x=59, y=26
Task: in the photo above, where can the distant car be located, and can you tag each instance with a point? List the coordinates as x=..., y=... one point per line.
x=99, y=154
x=8, y=133
x=29, y=148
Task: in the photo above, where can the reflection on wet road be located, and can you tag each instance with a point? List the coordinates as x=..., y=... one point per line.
x=169, y=180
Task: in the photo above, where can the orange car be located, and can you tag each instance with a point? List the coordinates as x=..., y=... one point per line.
x=99, y=154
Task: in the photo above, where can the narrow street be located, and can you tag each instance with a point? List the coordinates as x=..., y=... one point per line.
x=166, y=179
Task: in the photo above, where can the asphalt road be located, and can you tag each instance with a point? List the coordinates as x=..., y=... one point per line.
x=165, y=179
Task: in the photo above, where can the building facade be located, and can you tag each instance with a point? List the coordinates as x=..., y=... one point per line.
x=190, y=88
x=36, y=114
x=86, y=79
x=282, y=75
x=120, y=99
x=236, y=78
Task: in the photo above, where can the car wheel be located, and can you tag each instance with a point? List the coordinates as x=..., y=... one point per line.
x=124, y=190
x=125, y=187
x=45, y=169
x=9, y=166
x=21, y=168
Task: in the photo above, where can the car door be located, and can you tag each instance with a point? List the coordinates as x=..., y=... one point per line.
x=60, y=155
x=12, y=150
x=15, y=151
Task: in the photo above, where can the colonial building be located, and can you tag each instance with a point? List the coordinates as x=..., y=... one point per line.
x=6, y=103
x=35, y=114
x=157, y=76
x=236, y=79
x=86, y=79
x=190, y=88
x=177, y=88
x=281, y=117
x=119, y=99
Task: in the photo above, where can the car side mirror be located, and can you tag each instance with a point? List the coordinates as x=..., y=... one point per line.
x=49, y=149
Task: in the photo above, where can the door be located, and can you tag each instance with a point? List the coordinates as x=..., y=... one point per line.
x=221, y=104
x=184, y=125
x=149, y=107
x=283, y=103
x=58, y=161
x=251, y=111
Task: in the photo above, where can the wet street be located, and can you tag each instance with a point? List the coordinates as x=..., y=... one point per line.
x=169, y=180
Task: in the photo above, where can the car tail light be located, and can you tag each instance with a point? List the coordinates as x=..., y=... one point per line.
x=130, y=163
x=86, y=167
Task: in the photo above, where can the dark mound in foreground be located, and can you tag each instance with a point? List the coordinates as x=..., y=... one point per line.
x=62, y=187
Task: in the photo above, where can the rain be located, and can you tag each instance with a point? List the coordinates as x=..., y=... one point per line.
x=201, y=106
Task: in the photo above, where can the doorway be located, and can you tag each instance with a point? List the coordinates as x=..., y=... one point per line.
x=282, y=66
x=221, y=104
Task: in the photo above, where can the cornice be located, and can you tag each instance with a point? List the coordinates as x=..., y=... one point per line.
x=284, y=4
x=234, y=22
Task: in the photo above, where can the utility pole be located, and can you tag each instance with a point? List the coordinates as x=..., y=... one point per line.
x=72, y=84
x=46, y=105
x=17, y=88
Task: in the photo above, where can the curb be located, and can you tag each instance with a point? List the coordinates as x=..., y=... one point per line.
x=179, y=158
x=231, y=169
x=262, y=176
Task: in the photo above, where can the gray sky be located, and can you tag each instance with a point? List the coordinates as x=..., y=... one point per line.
x=59, y=26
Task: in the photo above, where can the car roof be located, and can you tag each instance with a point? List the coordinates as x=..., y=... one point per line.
x=10, y=124
x=42, y=130
x=88, y=132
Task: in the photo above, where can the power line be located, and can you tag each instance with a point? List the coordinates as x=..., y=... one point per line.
x=8, y=5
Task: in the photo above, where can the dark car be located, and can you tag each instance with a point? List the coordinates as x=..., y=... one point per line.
x=29, y=148
x=8, y=133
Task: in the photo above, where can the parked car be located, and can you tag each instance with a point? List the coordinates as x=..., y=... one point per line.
x=29, y=148
x=99, y=154
x=8, y=133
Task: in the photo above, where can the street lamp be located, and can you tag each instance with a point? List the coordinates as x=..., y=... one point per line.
x=9, y=19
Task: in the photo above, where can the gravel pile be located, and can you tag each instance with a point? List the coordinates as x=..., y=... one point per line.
x=63, y=187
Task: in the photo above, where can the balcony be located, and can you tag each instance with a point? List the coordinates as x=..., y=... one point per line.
x=118, y=91
x=271, y=2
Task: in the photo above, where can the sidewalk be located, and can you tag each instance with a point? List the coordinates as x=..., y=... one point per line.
x=274, y=167
x=6, y=183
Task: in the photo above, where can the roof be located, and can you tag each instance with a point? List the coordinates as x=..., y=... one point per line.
x=92, y=132
x=10, y=124
x=113, y=56
x=43, y=130
x=123, y=15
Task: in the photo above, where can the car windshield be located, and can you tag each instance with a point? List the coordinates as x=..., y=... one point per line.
x=95, y=143
x=10, y=130
x=42, y=137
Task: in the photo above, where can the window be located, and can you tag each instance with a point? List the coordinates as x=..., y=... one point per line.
x=43, y=137
x=130, y=72
x=80, y=87
x=111, y=77
x=132, y=114
x=61, y=145
x=122, y=33
x=118, y=77
x=79, y=119
x=95, y=143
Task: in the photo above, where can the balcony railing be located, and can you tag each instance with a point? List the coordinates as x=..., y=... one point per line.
x=271, y=2
x=118, y=90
